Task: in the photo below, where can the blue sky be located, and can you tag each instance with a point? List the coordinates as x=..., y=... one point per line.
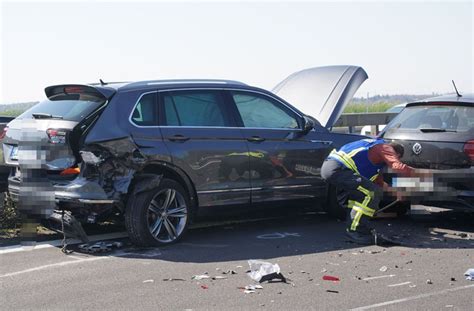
x=406, y=47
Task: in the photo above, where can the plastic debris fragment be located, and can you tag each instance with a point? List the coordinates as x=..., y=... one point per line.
x=469, y=274
x=383, y=269
x=200, y=277
x=262, y=271
x=331, y=278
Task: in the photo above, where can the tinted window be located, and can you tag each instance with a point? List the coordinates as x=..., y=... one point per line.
x=194, y=108
x=259, y=111
x=72, y=110
x=146, y=112
x=455, y=118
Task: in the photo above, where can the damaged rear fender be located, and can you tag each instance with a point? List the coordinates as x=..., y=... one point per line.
x=167, y=170
x=112, y=165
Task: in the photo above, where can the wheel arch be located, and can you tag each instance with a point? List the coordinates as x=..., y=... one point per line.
x=167, y=170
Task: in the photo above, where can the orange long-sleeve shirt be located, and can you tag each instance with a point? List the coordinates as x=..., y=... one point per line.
x=384, y=153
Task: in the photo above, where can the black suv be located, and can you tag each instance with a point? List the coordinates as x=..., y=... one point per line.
x=158, y=152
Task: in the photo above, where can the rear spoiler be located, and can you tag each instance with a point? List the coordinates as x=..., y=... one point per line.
x=101, y=92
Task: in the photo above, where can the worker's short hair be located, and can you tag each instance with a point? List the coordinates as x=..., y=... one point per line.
x=398, y=148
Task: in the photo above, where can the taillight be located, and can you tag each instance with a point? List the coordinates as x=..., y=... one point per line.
x=4, y=132
x=469, y=150
x=56, y=136
x=70, y=171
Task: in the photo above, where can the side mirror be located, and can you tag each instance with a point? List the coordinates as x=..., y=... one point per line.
x=308, y=124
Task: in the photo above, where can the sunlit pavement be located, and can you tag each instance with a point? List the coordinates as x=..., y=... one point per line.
x=425, y=273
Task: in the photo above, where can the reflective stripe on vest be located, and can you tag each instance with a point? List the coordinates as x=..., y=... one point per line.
x=355, y=156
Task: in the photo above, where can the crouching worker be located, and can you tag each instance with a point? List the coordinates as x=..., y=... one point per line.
x=354, y=170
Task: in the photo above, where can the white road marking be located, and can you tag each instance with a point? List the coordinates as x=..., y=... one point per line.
x=391, y=302
x=57, y=243
x=379, y=277
x=58, y=264
x=399, y=284
x=69, y=262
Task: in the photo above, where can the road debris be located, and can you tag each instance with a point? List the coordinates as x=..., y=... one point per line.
x=149, y=281
x=99, y=247
x=398, y=284
x=378, y=277
x=262, y=271
x=218, y=277
x=229, y=272
x=383, y=269
x=332, y=291
x=469, y=274
x=200, y=277
x=174, y=279
x=204, y=286
x=331, y=278
x=250, y=289
x=429, y=281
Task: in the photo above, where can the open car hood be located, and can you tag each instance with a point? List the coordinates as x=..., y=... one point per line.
x=322, y=92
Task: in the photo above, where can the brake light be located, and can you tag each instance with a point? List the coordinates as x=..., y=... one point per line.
x=469, y=150
x=70, y=171
x=56, y=136
x=4, y=132
x=73, y=90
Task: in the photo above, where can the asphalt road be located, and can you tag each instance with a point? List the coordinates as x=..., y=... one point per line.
x=425, y=273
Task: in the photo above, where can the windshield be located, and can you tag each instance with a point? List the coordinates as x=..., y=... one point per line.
x=439, y=117
x=71, y=110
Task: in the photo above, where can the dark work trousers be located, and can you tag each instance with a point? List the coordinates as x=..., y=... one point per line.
x=354, y=192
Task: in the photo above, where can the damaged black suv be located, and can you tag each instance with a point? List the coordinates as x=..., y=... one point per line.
x=157, y=152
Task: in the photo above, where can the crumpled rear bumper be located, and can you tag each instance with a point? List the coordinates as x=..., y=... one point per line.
x=79, y=190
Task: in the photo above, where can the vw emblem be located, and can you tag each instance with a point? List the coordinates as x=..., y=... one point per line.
x=416, y=148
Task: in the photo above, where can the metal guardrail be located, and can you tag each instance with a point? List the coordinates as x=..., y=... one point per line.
x=374, y=119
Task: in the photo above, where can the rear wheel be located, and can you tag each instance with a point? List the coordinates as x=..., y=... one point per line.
x=158, y=216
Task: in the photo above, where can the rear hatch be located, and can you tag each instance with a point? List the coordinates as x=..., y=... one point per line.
x=435, y=135
x=48, y=135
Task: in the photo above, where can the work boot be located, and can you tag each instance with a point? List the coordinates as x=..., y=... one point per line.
x=360, y=237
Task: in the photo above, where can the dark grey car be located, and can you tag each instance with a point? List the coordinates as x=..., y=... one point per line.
x=159, y=152
x=438, y=135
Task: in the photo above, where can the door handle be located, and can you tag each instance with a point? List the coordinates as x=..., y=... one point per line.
x=178, y=138
x=255, y=139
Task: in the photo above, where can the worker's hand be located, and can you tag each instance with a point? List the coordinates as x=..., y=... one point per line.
x=422, y=173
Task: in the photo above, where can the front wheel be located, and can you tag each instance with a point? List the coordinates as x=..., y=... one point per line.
x=159, y=216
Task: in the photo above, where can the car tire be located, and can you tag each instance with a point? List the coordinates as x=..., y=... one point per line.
x=159, y=216
x=332, y=207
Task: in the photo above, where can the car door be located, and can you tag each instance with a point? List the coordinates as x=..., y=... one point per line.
x=285, y=161
x=200, y=133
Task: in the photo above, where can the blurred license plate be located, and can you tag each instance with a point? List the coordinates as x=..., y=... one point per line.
x=14, y=153
x=413, y=183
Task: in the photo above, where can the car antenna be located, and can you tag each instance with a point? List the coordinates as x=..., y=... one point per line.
x=102, y=82
x=454, y=84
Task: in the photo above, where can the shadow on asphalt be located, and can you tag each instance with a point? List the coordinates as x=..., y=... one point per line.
x=297, y=234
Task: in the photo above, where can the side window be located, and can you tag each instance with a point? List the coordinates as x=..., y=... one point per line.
x=259, y=111
x=194, y=108
x=146, y=111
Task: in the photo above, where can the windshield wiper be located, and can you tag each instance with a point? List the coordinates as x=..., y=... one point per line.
x=41, y=115
x=434, y=130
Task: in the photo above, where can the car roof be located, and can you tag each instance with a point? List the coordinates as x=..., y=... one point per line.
x=167, y=84
x=450, y=98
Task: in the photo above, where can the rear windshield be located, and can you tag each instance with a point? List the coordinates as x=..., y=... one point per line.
x=442, y=117
x=65, y=109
